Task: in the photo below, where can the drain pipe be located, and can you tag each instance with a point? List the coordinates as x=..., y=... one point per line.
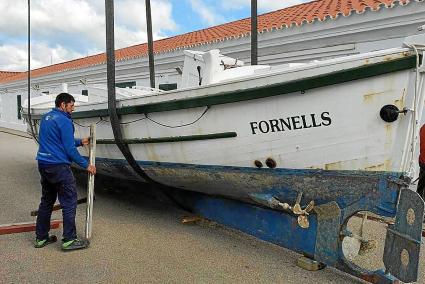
x=29, y=120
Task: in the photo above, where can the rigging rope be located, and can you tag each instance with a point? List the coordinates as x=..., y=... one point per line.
x=150, y=119
x=29, y=118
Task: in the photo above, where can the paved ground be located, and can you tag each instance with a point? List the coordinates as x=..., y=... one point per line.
x=136, y=240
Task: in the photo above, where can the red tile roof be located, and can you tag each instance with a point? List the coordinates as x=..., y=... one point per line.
x=5, y=74
x=319, y=10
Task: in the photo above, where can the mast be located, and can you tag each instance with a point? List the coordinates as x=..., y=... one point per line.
x=150, y=43
x=29, y=120
x=254, y=33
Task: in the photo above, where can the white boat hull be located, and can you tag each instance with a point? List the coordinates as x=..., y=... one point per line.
x=337, y=127
x=323, y=116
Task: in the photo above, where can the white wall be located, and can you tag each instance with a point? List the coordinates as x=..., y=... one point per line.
x=9, y=111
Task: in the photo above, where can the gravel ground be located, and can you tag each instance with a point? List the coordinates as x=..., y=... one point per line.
x=138, y=240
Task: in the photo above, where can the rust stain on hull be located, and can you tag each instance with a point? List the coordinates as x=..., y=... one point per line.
x=368, y=97
x=341, y=165
x=385, y=166
x=400, y=102
x=333, y=166
x=388, y=136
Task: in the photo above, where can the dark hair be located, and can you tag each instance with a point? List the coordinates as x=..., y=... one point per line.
x=63, y=98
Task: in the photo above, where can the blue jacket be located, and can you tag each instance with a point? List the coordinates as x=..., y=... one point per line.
x=56, y=140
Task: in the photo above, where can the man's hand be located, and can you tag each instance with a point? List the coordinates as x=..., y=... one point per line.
x=91, y=169
x=85, y=141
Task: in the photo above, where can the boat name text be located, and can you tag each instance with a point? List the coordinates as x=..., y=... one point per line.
x=291, y=123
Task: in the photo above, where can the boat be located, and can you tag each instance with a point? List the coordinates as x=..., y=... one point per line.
x=314, y=143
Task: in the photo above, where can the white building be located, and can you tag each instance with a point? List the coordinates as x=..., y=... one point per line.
x=315, y=30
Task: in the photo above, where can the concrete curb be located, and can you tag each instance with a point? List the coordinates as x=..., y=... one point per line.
x=15, y=132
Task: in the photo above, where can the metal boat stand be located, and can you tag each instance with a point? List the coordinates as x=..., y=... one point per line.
x=90, y=184
x=322, y=240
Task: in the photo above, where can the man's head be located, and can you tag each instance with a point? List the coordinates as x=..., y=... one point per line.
x=65, y=102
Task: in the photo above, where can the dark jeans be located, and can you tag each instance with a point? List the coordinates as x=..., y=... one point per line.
x=57, y=181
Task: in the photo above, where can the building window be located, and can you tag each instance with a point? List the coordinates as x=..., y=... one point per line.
x=125, y=84
x=85, y=93
x=168, y=87
x=19, y=105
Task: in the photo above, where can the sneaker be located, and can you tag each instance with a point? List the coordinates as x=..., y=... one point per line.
x=42, y=243
x=75, y=244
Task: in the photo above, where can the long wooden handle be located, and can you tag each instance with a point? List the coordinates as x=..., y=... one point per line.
x=90, y=183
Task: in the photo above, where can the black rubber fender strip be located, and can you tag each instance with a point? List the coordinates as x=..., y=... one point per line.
x=112, y=109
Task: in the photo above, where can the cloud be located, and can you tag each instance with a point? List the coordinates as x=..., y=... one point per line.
x=263, y=5
x=70, y=28
x=207, y=13
x=13, y=20
x=52, y=19
x=131, y=14
x=131, y=21
x=14, y=57
x=213, y=12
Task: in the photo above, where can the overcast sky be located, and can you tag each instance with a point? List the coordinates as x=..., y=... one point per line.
x=63, y=30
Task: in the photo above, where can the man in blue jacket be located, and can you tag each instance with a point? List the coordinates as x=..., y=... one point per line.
x=57, y=150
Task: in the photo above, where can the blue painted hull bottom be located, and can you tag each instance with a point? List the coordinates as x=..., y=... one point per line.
x=374, y=191
x=239, y=197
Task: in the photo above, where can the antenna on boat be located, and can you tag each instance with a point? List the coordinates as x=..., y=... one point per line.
x=29, y=120
x=254, y=33
x=150, y=43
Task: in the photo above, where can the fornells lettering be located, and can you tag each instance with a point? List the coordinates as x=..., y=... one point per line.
x=297, y=122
